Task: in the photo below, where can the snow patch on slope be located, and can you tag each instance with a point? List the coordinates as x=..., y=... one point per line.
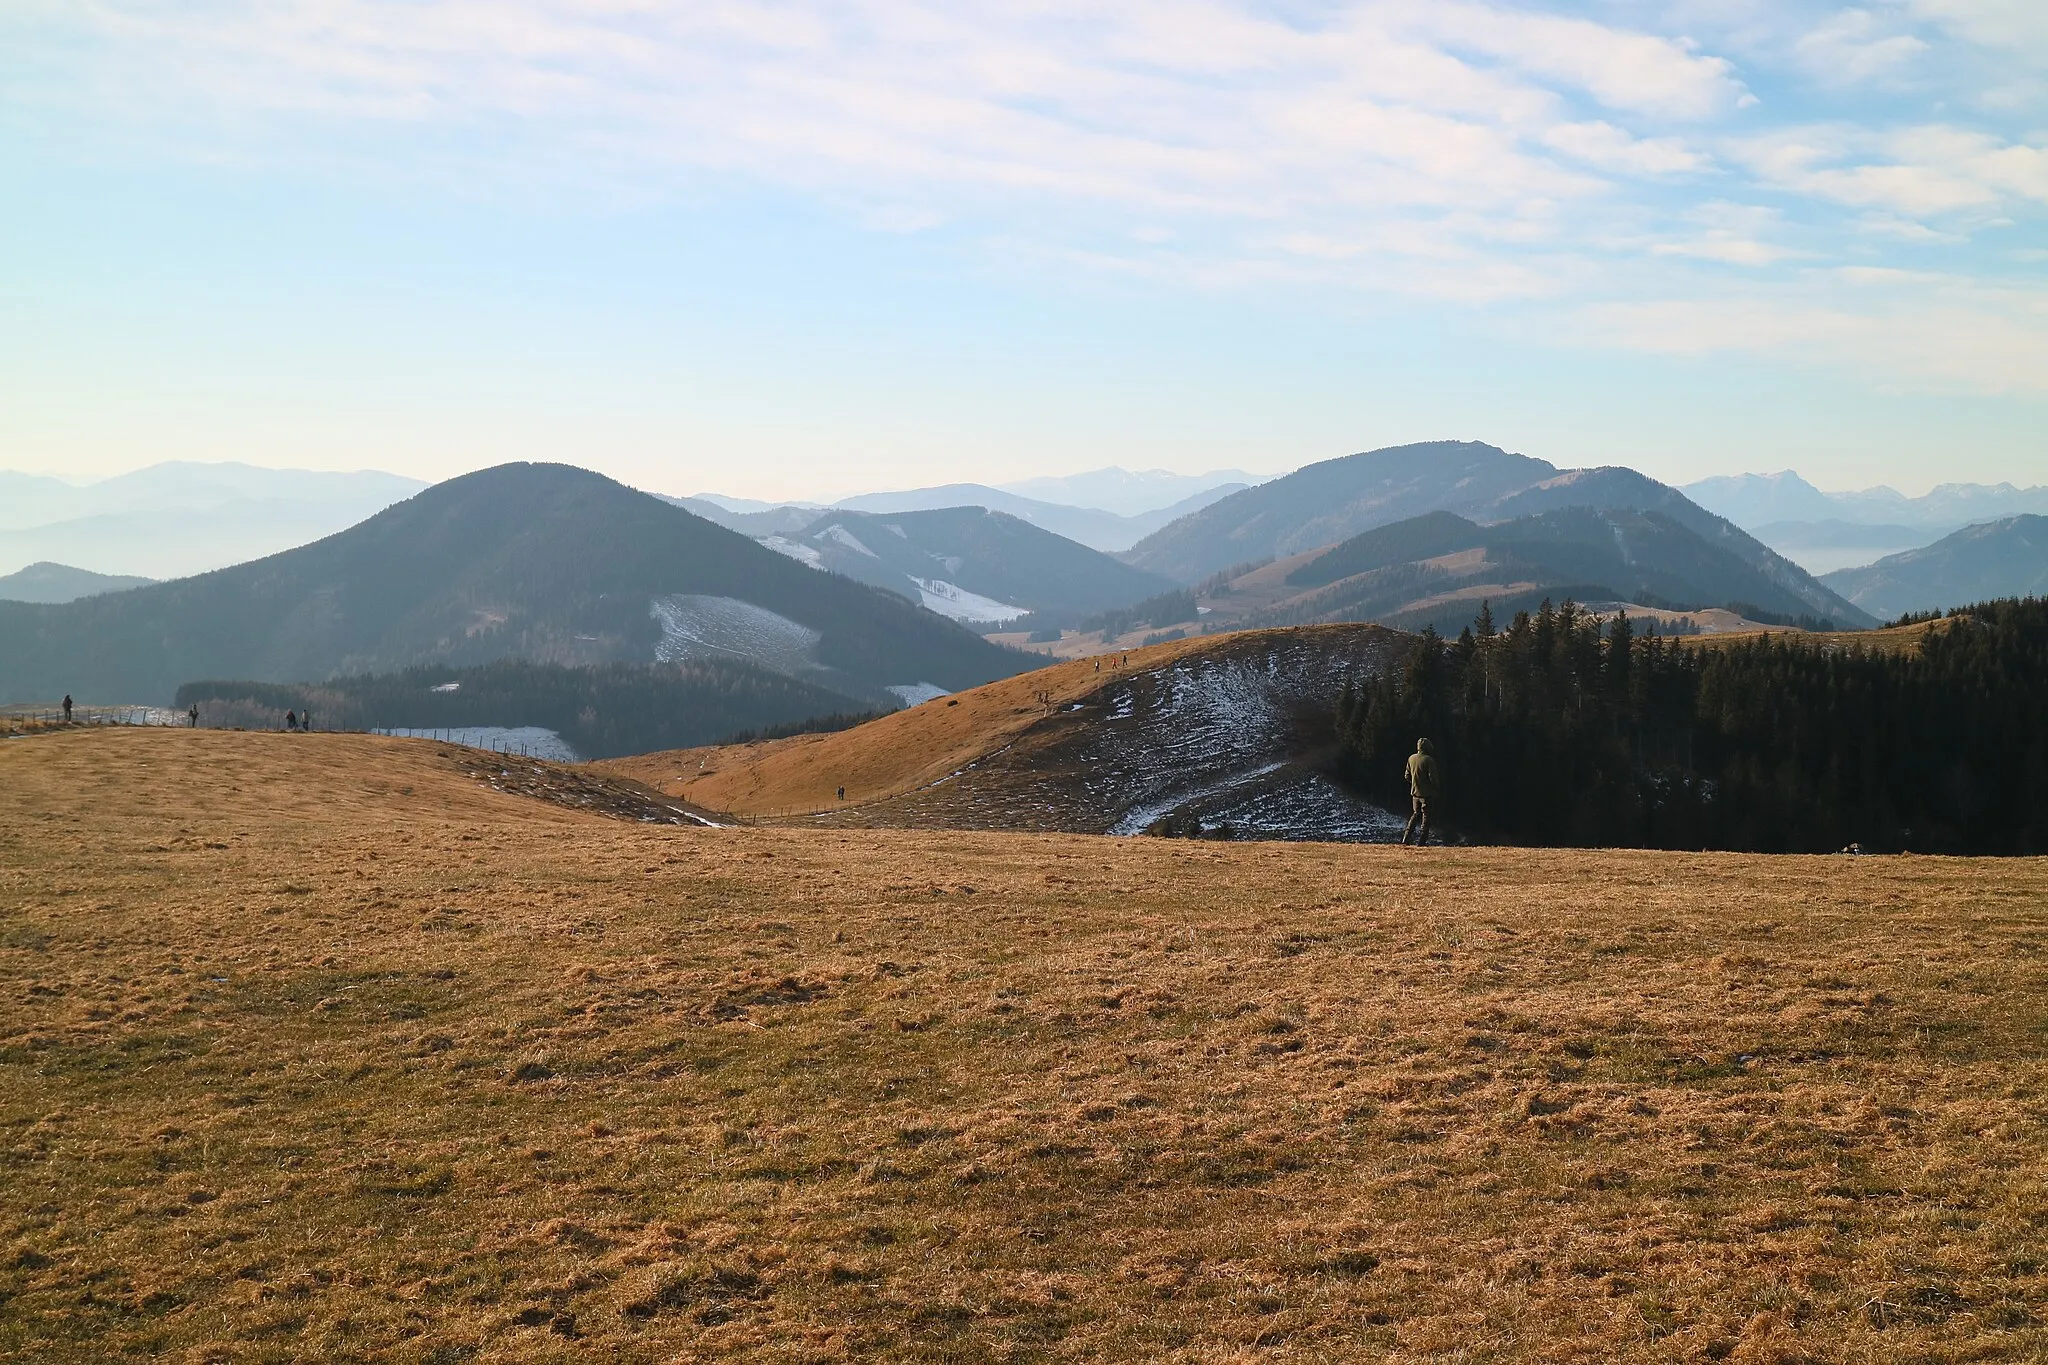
x=914, y=694
x=694, y=626
x=531, y=740
x=949, y=600
x=795, y=549
x=847, y=538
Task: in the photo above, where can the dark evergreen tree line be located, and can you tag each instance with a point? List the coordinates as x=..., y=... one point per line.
x=1166, y=609
x=1569, y=729
x=603, y=711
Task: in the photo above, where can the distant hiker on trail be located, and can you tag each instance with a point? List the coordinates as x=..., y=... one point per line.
x=192, y=716
x=67, y=708
x=291, y=720
x=306, y=722
x=1422, y=789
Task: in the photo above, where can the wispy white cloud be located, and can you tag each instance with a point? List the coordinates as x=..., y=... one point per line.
x=1601, y=144
x=1925, y=170
x=1463, y=151
x=1854, y=45
x=1732, y=234
x=2015, y=27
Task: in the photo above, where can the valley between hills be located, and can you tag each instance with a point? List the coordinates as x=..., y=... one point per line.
x=346, y=1047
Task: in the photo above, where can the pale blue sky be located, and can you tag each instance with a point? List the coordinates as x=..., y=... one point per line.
x=783, y=249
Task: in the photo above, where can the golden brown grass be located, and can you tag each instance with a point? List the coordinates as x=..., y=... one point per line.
x=312, y=1047
x=906, y=750
x=1890, y=640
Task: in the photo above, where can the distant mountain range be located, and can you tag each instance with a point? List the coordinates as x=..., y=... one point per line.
x=1339, y=499
x=1090, y=526
x=2006, y=558
x=545, y=563
x=1755, y=500
x=46, y=582
x=181, y=518
x=1827, y=532
x=1132, y=493
x=969, y=563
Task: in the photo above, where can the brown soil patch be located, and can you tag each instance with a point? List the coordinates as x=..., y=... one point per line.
x=318, y=1048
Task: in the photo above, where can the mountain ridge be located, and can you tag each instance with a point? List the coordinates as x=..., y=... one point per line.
x=48, y=582
x=541, y=562
x=1355, y=494
x=1980, y=563
x=969, y=563
x=1332, y=500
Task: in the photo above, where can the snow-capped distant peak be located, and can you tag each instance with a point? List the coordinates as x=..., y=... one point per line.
x=948, y=599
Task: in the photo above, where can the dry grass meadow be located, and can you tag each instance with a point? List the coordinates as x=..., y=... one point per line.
x=316, y=1048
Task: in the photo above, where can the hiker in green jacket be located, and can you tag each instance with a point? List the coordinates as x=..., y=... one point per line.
x=1422, y=789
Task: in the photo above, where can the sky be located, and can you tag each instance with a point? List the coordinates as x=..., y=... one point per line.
x=786, y=248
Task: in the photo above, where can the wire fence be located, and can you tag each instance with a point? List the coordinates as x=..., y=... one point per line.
x=94, y=715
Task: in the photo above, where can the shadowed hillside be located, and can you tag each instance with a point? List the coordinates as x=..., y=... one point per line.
x=1998, y=559
x=1436, y=570
x=969, y=563
x=544, y=563
x=1384, y=491
x=1321, y=504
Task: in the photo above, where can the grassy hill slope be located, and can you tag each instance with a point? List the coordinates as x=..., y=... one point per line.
x=1195, y=735
x=317, y=1048
x=888, y=757
x=539, y=562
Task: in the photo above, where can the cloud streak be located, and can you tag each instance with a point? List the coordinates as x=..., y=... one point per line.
x=1469, y=152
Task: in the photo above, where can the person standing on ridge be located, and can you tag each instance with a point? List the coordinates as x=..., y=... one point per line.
x=67, y=708
x=1422, y=789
